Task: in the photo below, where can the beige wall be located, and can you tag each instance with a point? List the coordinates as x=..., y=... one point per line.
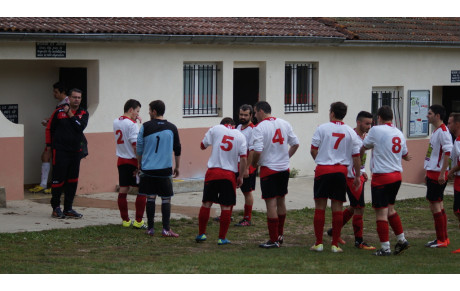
x=119, y=71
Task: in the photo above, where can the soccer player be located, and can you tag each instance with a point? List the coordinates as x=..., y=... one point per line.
x=59, y=92
x=156, y=142
x=454, y=128
x=126, y=131
x=220, y=181
x=334, y=147
x=356, y=196
x=274, y=144
x=249, y=183
x=389, y=147
x=436, y=165
x=64, y=134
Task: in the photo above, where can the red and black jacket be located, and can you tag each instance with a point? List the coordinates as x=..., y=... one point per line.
x=64, y=133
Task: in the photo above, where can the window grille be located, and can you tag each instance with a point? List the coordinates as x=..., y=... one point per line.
x=391, y=98
x=298, y=88
x=200, y=90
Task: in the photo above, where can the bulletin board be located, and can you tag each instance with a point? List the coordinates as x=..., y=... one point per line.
x=419, y=102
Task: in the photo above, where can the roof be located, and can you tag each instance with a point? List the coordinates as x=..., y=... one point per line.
x=380, y=29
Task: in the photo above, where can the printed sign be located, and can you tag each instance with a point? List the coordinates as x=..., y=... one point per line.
x=10, y=111
x=50, y=50
x=418, y=110
x=455, y=76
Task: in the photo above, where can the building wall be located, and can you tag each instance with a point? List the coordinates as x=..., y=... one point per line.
x=119, y=71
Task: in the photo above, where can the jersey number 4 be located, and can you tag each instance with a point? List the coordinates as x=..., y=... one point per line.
x=120, y=137
x=227, y=143
x=278, y=137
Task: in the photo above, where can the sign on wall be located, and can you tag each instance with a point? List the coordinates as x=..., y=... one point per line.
x=455, y=76
x=50, y=50
x=418, y=110
x=10, y=111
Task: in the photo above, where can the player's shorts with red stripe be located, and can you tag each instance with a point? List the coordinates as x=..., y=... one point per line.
x=273, y=184
x=356, y=197
x=330, y=182
x=384, y=188
x=434, y=191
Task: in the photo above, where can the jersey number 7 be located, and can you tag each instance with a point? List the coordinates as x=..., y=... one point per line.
x=339, y=136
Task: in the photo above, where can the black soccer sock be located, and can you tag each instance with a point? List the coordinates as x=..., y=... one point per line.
x=166, y=212
x=150, y=209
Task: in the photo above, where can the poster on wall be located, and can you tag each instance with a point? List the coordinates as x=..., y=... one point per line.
x=419, y=102
x=11, y=112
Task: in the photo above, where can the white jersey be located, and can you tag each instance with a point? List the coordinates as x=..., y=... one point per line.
x=336, y=143
x=351, y=169
x=247, y=132
x=389, y=146
x=227, y=145
x=64, y=101
x=126, y=131
x=455, y=155
x=272, y=137
x=440, y=144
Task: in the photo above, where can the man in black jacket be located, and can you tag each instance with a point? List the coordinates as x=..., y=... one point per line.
x=64, y=135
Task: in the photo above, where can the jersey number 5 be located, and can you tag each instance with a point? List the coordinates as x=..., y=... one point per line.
x=227, y=144
x=120, y=137
x=339, y=136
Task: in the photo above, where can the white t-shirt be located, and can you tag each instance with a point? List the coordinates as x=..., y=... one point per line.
x=247, y=132
x=351, y=169
x=272, y=137
x=455, y=155
x=227, y=146
x=389, y=146
x=336, y=143
x=440, y=144
x=126, y=131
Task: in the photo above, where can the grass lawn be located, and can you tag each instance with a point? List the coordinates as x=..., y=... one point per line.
x=114, y=249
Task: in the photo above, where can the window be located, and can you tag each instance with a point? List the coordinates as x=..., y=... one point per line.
x=299, y=87
x=388, y=96
x=200, y=90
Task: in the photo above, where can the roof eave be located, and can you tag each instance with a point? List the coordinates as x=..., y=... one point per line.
x=400, y=43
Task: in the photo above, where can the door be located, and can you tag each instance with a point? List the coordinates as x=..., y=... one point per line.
x=75, y=78
x=245, y=89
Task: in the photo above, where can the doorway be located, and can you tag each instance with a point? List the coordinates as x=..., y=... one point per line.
x=245, y=89
x=75, y=78
x=451, y=100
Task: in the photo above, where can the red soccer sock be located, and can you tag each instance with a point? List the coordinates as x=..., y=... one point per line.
x=347, y=215
x=272, y=224
x=123, y=206
x=141, y=201
x=395, y=223
x=203, y=218
x=247, y=212
x=281, y=220
x=225, y=218
x=337, y=223
x=439, y=226
x=383, y=230
x=318, y=223
x=445, y=222
x=358, y=226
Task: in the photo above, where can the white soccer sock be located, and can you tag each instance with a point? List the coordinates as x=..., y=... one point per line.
x=45, y=172
x=401, y=237
x=385, y=245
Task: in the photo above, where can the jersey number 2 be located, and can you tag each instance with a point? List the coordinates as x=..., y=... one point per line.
x=227, y=141
x=120, y=137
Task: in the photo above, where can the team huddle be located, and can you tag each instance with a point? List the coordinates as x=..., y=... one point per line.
x=145, y=159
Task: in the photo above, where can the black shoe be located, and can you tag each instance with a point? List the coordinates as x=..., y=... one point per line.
x=57, y=213
x=400, y=247
x=383, y=253
x=431, y=243
x=329, y=232
x=244, y=222
x=269, y=244
x=72, y=214
x=281, y=239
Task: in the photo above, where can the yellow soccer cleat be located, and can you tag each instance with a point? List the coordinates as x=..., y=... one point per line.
x=36, y=189
x=139, y=225
x=335, y=249
x=47, y=191
x=127, y=223
x=317, y=248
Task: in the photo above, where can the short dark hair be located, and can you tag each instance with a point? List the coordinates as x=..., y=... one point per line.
x=339, y=109
x=131, y=103
x=385, y=112
x=75, y=90
x=438, y=109
x=60, y=86
x=364, y=114
x=264, y=106
x=227, y=120
x=246, y=107
x=455, y=116
x=159, y=106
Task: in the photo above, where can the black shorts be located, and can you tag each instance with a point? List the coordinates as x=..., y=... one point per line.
x=434, y=191
x=222, y=192
x=249, y=183
x=352, y=196
x=161, y=186
x=384, y=195
x=274, y=185
x=456, y=202
x=332, y=186
x=126, y=176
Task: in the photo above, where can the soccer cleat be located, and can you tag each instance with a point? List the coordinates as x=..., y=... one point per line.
x=127, y=223
x=281, y=239
x=140, y=225
x=383, y=253
x=457, y=251
x=329, y=233
x=36, y=189
x=439, y=244
x=364, y=246
x=430, y=243
x=150, y=232
x=269, y=244
x=57, y=213
x=223, y=241
x=72, y=214
x=200, y=238
x=169, y=233
x=244, y=222
x=341, y=241
x=401, y=247
x=317, y=248
x=47, y=191
x=336, y=249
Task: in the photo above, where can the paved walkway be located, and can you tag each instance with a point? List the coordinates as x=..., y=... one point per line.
x=33, y=213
